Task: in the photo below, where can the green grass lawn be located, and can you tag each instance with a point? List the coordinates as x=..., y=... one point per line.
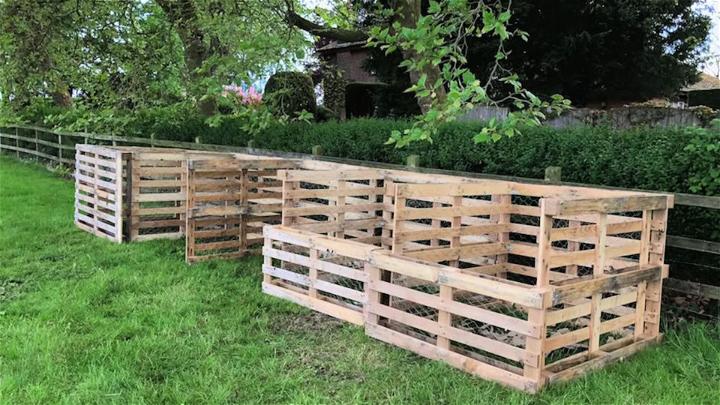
x=83, y=320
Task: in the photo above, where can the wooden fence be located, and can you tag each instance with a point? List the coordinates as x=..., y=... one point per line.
x=58, y=147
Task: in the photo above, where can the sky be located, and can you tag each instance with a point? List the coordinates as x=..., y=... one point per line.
x=714, y=12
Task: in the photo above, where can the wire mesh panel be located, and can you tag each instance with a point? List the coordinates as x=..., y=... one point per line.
x=591, y=245
x=470, y=321
x=462, y=225
x=323, y=273
x=99, y=191
x=595, y=320
x=345, y=204
x=228, y=202
x=610, y=306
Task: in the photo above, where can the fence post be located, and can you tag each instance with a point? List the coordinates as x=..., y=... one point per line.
x=553, y=174
x=60, y=155
x=152, y=140
x=198, y=140
x=412, y=161
x=37, y=146
x=318, y=150
x=17, y=143
x=251, y=144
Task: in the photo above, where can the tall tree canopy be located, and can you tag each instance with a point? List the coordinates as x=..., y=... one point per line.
x=116, y=53
x=615, y=50
x=108, y=53
x=451, y=54
x=433, y=38
x=228, y=40
x=595, y=51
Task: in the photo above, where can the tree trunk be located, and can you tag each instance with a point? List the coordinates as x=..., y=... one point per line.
x=184, y=17
x=338, y=34
x=62, y=99
x=410, y=12
x=61, y=96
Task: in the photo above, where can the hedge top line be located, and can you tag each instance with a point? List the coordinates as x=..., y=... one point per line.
x=558, y=199
x=694, y=200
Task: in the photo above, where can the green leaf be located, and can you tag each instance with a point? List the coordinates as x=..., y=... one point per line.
x=501, y=31
x=504, y=16
x=488, y=22
x=421, y=80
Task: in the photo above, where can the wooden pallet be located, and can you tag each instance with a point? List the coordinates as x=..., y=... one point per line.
x=158, y=190
x=323, y=273
x=99, y=191
x=342, y=203
x=478, y=324
x=228, y=202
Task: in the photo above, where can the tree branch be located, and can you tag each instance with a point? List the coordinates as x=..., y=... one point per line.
x=338, y=34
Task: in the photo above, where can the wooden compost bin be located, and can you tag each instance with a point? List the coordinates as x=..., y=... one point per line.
x=342, y=204
x=516, y=283
x=158, y=191
x=149, y=199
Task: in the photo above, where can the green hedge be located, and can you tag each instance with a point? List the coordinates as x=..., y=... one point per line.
x=647, y=158
x=668, y=159
x=639, y=158
x=673, y=159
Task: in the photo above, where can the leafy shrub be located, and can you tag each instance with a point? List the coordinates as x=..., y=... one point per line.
x=323, y=114
x=289, y=93
x=650, y=158
x=667, y=159
x=705, y=166
x=646, y=158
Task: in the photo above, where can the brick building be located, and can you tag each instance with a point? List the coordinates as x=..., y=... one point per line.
x=349, y=89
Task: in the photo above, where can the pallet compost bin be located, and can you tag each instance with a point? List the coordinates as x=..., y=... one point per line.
x=157, y=194
x=517, y=283
x=153, y=184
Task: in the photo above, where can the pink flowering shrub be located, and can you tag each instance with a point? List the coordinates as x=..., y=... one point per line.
x=246, y=106
x=247, y=97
